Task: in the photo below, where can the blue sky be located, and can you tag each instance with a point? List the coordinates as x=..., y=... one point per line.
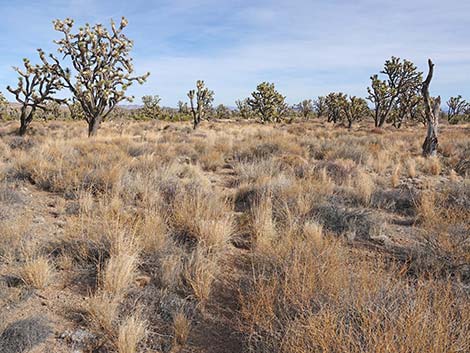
x=307, y=48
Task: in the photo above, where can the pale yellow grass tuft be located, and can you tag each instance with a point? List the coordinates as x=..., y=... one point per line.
x=364, y=187
x=314, y=232
x=120, y=273
x=395, y=178
x=200, y=272
x=37, y=272
x=103, y=311
x=453, y=176
x=205, y=218
x=131, y=332
x=263, y=226
x=433, y=165
x=411, y=168
x=427, y=208
x=172, y=269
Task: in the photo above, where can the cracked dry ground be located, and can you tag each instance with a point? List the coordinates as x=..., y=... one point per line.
x=213, y=217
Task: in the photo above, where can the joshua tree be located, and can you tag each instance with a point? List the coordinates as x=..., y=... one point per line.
x=305, y=107
x=151, y=108
x=204, y=98
x=36, y=86
x=183, y=107
x=244, y=108
x=334, y=103
x=355, y=109
x=402, y=77
x=52, y=110
x=101, y=68
x=319, y=106
x=457, y=107
x=432, y=110
x=75, y=110
x=222, y=112
x=268, y=103
x=405, y=107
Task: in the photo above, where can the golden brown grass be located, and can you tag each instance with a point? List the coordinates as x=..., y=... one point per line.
x=103, y=312
x=181, y=329
x=395, y=179
x=120, y=273
x=411, y=168
x=204, y=218
x=131, y=332
x=200, y=273
x=236, y=237
x=37, y=272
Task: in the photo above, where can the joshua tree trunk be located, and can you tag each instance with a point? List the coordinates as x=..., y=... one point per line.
x=25, y=119
x=196, y=122
x=93, y=125
x=432, y=116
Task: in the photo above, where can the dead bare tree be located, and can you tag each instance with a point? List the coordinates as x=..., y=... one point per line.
x=432, y=109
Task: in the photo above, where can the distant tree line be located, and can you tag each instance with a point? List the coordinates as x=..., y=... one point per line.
x=96, y=69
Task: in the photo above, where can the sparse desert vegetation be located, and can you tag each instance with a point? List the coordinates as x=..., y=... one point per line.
x=235, y=237
x=326, y=226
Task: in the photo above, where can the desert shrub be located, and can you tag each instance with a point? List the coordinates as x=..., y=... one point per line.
x=9, y=196
x=463, y=165
x=200, y=217
x=37, y=272
x=339, y=171
x=68, y=168
x=23, y=335
x=297, y=304
x=355, y=223
x=401, y=200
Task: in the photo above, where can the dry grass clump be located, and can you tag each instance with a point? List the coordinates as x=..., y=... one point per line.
x=240, y=237
x=265, y=145
x=348, y=148
x=298, y=304
x=102, y=310
x=340, y=171
x=212, y=160
x=411, y=168
x=314, y=232
x=120, y=273
x=263, y=226
x=181, y=329
x=380, y=161
x=172, y=269
x=132, y=331
x=70, y=167
x=202, y=217
x=13, y=232
x=433, y=166
x=395, y=179
x=364, y=187
x=427, y=210
x=200, y=272
x=37, y=272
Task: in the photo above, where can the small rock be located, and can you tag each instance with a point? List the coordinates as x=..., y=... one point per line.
x=80, y=340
